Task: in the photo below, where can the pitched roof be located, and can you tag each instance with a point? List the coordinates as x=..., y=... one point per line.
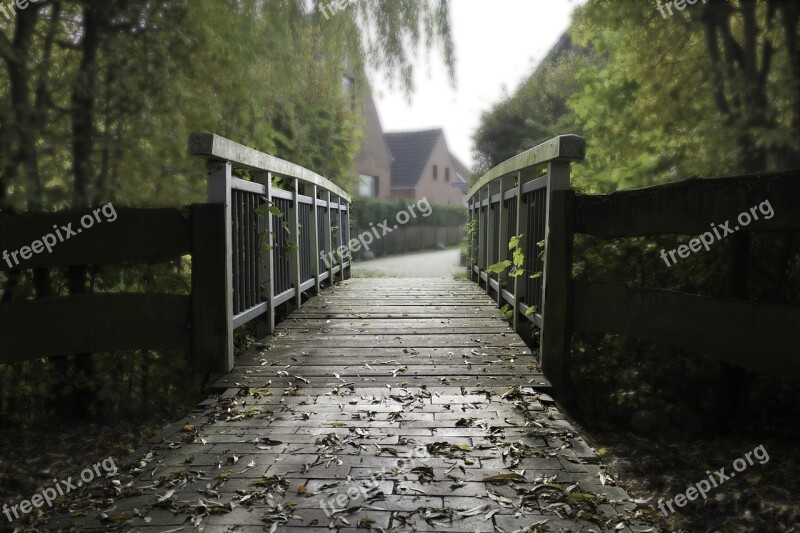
x=411, y=151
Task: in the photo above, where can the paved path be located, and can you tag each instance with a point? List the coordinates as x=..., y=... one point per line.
x=438, y=264
x=383, y=405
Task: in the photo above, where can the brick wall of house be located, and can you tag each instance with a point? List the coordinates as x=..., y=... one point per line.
x=374, y=158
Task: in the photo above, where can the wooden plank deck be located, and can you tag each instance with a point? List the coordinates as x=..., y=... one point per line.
x=383, y=404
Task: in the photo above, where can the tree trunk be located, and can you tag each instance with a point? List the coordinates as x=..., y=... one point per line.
x=83, y=111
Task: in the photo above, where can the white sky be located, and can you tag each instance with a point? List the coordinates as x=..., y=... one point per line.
x=498, y=44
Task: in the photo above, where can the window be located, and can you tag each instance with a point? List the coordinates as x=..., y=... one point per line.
x=447, y=174
x=368, y=186
x=435, y=172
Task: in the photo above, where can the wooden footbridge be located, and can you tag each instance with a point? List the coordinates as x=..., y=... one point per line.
x=386, y=404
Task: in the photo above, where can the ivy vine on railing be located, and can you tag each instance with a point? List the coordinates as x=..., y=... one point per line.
x=516, y=265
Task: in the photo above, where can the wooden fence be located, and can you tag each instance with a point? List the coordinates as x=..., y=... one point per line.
x=247, y=260
x=749, y=335
x=412, y=239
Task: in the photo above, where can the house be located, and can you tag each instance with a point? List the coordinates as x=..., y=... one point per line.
x=411, y=165
x=423, y=167
x=374, y=162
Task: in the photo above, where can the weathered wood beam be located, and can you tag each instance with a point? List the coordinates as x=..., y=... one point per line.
x=690, y=207
x=749, y=335
x=93, y=323
x=148, y=236
x=211, y=146
x=561, y=148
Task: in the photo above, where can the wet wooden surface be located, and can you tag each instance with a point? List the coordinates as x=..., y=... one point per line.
x=383, y=404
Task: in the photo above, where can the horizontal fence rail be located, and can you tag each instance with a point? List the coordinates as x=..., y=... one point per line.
x=411, y=239
x=750, y=335
x=258, y=244
x=107, y=322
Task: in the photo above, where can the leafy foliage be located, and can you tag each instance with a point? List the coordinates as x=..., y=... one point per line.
x=536, y=112
x=713, y=90
x=99, y=99
x=374, y=210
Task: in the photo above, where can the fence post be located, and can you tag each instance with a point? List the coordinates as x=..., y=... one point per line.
x=557, y=280
x=219, y=192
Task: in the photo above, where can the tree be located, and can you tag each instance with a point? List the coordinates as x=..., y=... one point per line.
x=536, y=112
x=710, y=90
x=100, y=97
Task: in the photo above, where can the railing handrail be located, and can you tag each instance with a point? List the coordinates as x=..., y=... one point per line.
x=214, y=147
x=562, y=148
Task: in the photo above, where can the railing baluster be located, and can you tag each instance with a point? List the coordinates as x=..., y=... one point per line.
x=520, y=282
x=270, y=258
x=315, y=249
x=244, y=231
x=329, y=238
x=294, y=256
x=503, y=238
x=340, y=245
x=344, y=236
x=235, y=250
x=490, y=236
x=249, y=247
x=255, y=256
x=242, y=235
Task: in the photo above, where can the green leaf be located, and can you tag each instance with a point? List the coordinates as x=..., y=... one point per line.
x=518, y=258
x=498, y=268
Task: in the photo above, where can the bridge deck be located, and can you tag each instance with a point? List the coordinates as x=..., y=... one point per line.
x=413, y=390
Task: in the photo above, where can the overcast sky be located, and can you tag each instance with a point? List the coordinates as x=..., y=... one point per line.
x=498, y=44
